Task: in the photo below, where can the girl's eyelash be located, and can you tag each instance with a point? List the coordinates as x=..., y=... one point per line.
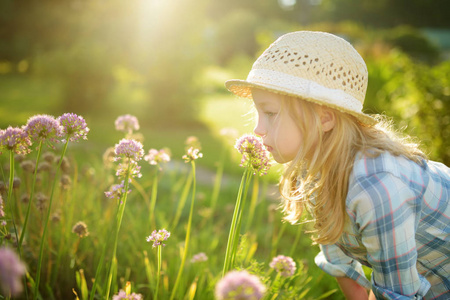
x=270, y=114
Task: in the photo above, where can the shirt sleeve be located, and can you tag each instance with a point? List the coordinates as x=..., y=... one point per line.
x=386, y=211
x=333, y=261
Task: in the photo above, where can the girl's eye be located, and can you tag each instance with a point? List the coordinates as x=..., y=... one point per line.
x=270, y=114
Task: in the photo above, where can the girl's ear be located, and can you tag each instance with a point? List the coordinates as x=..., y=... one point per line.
x=328, y=119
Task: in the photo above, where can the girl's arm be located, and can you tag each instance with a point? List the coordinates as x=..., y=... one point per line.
x=352, y=290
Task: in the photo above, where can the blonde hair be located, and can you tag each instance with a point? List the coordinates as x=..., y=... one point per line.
x=317, y=178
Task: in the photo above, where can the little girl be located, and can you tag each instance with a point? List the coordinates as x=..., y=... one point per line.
x=375, y=198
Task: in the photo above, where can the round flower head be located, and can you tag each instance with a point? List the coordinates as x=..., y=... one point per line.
x=254, y=153
x=284, y=265
x=73, y=126
x=192, y=154
x=80, y=229
x=127, y=123
x=154, y=157
x=43, y=128
x=239, y=285
x=199, y=257
x=157, y=237
x=15, y=139
x=11, y=272
x=129, y=149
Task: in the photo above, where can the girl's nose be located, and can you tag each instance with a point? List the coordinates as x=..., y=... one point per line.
x=259, y=130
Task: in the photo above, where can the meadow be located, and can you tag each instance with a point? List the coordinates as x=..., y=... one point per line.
x=108, y=251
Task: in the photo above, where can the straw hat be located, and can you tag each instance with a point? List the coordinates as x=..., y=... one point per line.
x=316, y=66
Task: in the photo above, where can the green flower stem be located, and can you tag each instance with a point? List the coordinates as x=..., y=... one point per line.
x=10, y=191
x=41, y=250
x=277, y=284
x=152, y=218
x=10, y=202
x=233, y=227
x=253, y=201
x=24, y=227
x=276, y=239
x=159, y=272
x=226, y=265
x=297, y=239
x=239, y=220
x=116, y=235
x=188, y=235
x=65, y=239
x=100, y=266
x=218, y=180
x=182, y=201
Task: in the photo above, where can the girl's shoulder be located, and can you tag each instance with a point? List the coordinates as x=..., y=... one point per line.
x=377, y=178
x=366, y=165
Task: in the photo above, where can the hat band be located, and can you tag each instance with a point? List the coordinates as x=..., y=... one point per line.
x=306, y=88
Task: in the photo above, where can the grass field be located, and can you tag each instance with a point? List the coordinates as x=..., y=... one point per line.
x=69, y=261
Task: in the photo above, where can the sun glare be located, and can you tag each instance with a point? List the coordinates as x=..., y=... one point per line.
x=153, y=12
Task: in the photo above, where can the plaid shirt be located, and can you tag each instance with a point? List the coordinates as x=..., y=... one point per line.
x=399, y=226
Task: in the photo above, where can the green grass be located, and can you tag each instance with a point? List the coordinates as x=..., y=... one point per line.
x=85, y=201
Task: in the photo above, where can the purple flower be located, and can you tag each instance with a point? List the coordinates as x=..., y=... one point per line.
x=157, y=237
x=154, y=157
x=127, y=123
x=116, y=191
x=253, y=153
x=43, y=128
x=192, y=154
x=199, y=257
x=15, y=139
x=129, y=149
x=11, y=271
x=239, y=285
x=284, y=265
x=123, y=295
x=73, y=126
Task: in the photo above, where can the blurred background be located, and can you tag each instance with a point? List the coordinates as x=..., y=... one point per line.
x=166, y=61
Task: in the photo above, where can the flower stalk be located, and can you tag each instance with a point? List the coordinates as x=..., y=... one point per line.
x=43, y=238
x=119, y=218
x=158, y=275
x=33, y=185
x=255, y=160
x=233, y=235
x=188, y=233
x=158, y=237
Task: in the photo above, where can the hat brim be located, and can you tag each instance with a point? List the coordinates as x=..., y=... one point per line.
x=243, y=88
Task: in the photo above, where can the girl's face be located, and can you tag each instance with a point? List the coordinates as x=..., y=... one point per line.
x=280, y=133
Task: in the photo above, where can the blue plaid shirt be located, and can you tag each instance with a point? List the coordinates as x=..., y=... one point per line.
x=399, y=226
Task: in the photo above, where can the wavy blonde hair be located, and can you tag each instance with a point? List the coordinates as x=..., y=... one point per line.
x=317, y=178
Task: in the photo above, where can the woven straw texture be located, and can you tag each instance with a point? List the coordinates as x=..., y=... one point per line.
x=316, y=66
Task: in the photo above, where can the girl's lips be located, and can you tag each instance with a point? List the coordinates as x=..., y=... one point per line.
x=268, y=148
